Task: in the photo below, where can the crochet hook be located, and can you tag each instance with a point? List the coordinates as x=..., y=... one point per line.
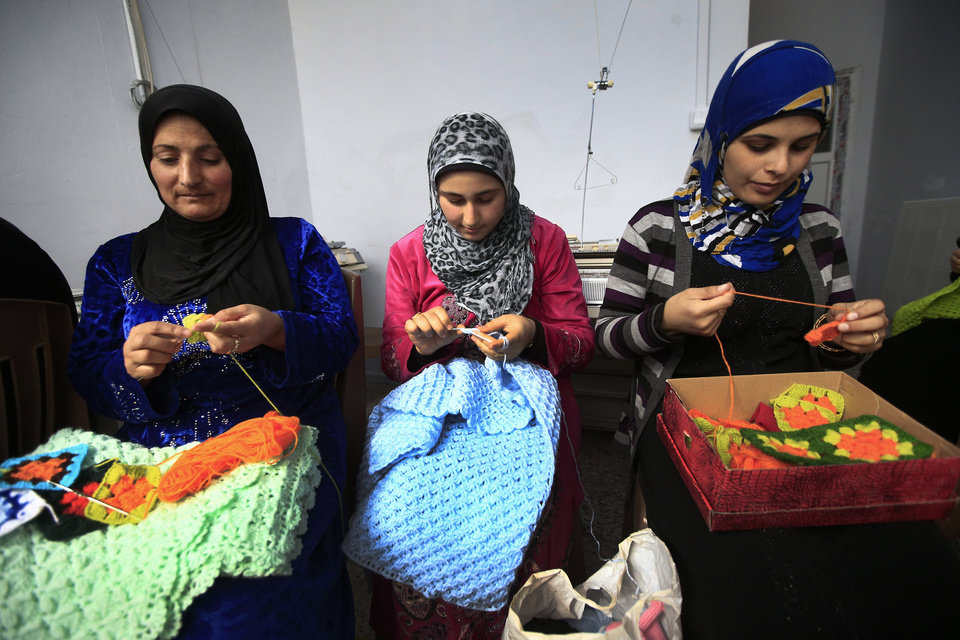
x=92, y=499
x=475, y=332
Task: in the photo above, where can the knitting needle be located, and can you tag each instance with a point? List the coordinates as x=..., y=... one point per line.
x=92, y=499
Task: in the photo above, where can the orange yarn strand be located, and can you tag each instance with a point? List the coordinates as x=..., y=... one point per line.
x=729, y=376
x=756, y=295
x=263, y=439
x=809, y=304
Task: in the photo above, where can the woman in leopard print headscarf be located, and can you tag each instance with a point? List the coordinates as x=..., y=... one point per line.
x=493, y=275
x=485, y=261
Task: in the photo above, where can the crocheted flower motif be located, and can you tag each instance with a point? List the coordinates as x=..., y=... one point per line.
x=867, y=438
x=804, y=406
x=868, y=442
x=132, y=488
x=73, y=503
x=785, y=446
x=192, y=319
x=792, y=418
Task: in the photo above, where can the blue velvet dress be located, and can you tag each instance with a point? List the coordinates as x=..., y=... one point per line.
x=202, y=394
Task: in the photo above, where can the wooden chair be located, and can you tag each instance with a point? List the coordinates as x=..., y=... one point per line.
x=36, y=397
x=351, y=387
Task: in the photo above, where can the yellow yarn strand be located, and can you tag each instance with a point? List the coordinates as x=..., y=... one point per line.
x=319, y=460
x=232, y=357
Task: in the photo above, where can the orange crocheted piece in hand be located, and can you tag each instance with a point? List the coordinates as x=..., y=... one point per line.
x=824, y=333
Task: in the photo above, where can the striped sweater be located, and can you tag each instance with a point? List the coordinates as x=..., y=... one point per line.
x=653, y=263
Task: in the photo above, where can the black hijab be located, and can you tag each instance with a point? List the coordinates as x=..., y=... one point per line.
x=233, y=259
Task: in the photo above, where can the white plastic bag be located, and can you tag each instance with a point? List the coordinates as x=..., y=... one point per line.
x=638, y=589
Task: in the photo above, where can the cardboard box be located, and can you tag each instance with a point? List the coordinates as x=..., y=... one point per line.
x=802, y=496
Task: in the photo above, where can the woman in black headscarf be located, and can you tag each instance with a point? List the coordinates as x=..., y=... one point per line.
x=279, y=307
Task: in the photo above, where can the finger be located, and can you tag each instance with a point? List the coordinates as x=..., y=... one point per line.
x=222, y=344
x=718, y=292
x=161, y=329
x=438, y=325
x=156, y=344
x=504, y=344
x=210, y=325
x=487, y=351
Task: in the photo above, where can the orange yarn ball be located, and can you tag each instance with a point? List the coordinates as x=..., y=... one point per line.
x=257, y=440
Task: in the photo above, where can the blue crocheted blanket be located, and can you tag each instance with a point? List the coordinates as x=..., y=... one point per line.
x=457, y=466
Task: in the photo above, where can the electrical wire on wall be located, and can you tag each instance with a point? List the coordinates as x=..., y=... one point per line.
x=602, y=84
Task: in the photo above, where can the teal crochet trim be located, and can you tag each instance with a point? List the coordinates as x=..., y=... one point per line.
x=134, y=581
x=458, y=464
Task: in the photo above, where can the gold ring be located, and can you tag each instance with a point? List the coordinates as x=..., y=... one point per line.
x=876, y=337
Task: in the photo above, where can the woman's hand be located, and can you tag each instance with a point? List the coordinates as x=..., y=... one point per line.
x=518, y=332
x=430, y=330
x=150, y=347
x=697, y=311
x=955, y=260
x=242, y=328
x=864, y=327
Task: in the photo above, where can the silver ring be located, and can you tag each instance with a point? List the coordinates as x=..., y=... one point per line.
x=236, y=344
x=139, y=378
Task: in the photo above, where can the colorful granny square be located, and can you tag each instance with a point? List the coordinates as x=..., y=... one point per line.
x=69, y=507
x=803, y=406
x=18, y=507
x=826, y=398
x=748, y=457
x=867, y=438
x=33, y=472
x=132, y=488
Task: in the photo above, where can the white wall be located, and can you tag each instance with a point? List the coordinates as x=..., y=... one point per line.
x=377, y=78
x=71, y=176
x=849, y=32
x=340, y=100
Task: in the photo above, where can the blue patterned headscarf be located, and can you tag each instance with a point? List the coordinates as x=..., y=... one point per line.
x=773, y=79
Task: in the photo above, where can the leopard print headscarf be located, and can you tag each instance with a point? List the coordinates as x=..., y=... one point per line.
x=493, y=276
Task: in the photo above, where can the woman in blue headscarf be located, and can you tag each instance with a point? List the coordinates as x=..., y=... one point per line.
x=739, y=223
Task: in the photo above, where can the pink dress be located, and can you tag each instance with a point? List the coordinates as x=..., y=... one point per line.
x=557, y=303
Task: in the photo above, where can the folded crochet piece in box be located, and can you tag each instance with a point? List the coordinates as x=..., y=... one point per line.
x=457, y=467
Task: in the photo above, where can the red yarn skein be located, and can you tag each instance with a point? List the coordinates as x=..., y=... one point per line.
x=256, y=440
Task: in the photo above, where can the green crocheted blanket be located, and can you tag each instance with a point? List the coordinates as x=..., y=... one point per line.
x=134, y=581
